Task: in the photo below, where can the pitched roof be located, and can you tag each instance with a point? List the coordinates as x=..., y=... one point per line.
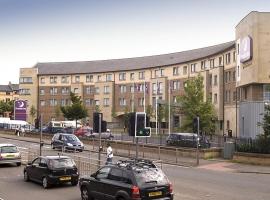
x=126, y=64
x=9, y=88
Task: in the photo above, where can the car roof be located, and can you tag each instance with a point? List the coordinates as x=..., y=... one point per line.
x=185, y=134
x=53, y=157
x=4, y=145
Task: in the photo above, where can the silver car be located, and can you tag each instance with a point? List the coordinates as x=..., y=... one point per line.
x=10, y=154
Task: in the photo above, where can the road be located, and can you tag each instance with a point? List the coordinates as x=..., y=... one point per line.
x=208, y=182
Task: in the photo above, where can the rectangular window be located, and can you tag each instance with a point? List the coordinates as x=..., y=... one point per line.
x=42, y=102
x=41, y=91
x=161, y=72
x=176, y=85
x=229, y=76
x=64, y=102
x=203, y=65
x=106, y=89
x=220, y=61
x=108, y=77
x=160, y=88
x=233, y=76
x=122, y=76
x=132, y=88
x=89, y=102
x=64, y=79
x=99, y=78
x=154, y=86
x=53, y=102
x=122, y=102
x=184, y=70
x=77, y=79
x=141, y=75
x=141, y=101
x=97, y=102
x=193, y=67
x=26, y=80
x=53, y=91
x=42, y=80
x=176, y=71
x=90, y=90
x=65, y=90
x=76, y=90
x=132, y=76
x=96, y=90
x=215, y=80
x=234, y=56
x=228, y=58
x=210, y=97
x=234, y=96
x=215, y=98
x=210, y=79
x=212, y=63
x=89, y=78
x=266, y=92
x=123, y=88
x=106, y=101
x=53, y=79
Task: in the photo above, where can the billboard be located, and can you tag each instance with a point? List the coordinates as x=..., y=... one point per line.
x=245, y=49
x=20, y=110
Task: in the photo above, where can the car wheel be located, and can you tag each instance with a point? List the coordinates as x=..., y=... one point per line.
x=18, y=164
x=25, y=176
x=74, y=183
x=85, y=194
x=45, y=183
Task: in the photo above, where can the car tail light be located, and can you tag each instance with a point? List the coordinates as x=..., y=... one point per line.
x=170, y=188
x=135, y=193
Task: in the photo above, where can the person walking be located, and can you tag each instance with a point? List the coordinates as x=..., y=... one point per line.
x=109, y=154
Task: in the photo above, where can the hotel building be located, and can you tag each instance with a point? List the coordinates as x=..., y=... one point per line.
x=236, y=78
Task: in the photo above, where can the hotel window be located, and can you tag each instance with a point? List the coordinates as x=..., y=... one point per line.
x=184, y=70
x=42, y=103
x=77, y=79
x=233, y=76
x=123, y=88
x=210, y=97
x=89, y=102
x=106, y=89
x=234, y=56
x=160, y=88
x=53, y=91
x=228, y=58
x=266, y=92
x=210, y=79
x=141, y=75
x=26, y=80
x=76, y=90
x=108, y=77
x=64, y=102
x=89, y=78
x=154, y=86
x=238, y=71
x=122, y=76
x=122, y=102
x=106, y=101
x=215, y=98
x=141, y=101
x=176, y=71
x=53, y=79
x=132, y=76
x=89, y=90
x=193, y=67
x=203, y=65
x=64, y=79
x=234, y=96
x=99, y=78
x=161, y=72
x=42, y=80
x=97, y=102
x=41, y=91
x=132, y=88
x=140, y=87
x=65, y=90
x=229, y=76
x=220, y=61
x=53, y=102
x=215, y=80
x=212, y=63
x=96, y=90
x=176, y=85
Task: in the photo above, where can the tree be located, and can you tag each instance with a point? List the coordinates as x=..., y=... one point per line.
x=265, y=124
x=193, y=105
x=33, y=112
x=76, y=110
x=6, y=107
x=57, y=111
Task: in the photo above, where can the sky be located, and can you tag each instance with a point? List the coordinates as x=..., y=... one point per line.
x=33, y=31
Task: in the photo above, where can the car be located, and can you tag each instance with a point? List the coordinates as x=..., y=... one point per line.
x=51, y=170
x=66, y=141
x=69, y=130
x=133, y=179
x=10, y=154
x=84, y=132
x=104, y=135
x=187, y=140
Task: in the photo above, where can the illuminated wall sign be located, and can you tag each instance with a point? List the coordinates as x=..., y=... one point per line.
x=246, y=49
x=20, y=110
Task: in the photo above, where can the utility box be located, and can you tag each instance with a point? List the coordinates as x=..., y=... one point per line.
x=229, y=149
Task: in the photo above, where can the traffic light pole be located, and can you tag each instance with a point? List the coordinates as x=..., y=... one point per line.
x=99, y=132
x=198, y=139
x=40, y=139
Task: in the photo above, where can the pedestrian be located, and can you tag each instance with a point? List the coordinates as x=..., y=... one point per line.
x=22, y=130
x=17, y=131
x=109, y=154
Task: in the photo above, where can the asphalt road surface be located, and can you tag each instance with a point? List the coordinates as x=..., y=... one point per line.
x=208, y=182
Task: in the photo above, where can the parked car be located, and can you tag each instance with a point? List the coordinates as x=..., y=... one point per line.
x=66, y=141
x=51, y=170
x=127, y=180
x=85, y=131
x=104, y=135
x=187, y=140
x=10, y=154
x=69, y=130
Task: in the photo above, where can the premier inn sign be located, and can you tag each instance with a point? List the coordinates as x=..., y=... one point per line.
x=245, y=49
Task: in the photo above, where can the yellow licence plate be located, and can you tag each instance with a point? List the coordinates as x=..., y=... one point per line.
x=65, y=178
x=10, y=156
x=153, y=194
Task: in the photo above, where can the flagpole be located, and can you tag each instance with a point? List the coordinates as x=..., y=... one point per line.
x=133, y=97
x=169, y=107
x=144, y=97
x=156, y=106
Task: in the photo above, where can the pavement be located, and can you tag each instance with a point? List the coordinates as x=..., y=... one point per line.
x=210, y=164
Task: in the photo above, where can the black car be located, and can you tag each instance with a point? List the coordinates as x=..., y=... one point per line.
x=51, y=170
x=67, y=142
x=127, y=180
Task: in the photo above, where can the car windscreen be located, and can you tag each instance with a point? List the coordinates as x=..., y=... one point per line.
x=8, y=149
x=145, y=177
x=71, y=138
x=61, y=163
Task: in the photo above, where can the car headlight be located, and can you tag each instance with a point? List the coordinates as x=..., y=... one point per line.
x=69, y=144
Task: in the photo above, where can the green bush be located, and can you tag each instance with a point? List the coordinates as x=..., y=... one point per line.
x=259, y=145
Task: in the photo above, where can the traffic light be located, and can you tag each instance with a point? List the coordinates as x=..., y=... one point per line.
x=137, y=125
x=96, y=123
x=103, y=126
x=131, y=124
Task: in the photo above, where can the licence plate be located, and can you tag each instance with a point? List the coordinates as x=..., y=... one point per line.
x=153, y=194
x=9, y=156
x=67, y=178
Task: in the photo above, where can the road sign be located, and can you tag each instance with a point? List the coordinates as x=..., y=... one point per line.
x=144, y=132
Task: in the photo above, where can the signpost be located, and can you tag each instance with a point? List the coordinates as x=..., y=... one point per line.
x=20, y=110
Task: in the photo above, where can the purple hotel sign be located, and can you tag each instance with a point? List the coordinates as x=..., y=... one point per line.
x=246, y=49
x=20, y=110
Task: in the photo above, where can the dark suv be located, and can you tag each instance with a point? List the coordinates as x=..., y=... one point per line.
x=66, y=141
x=127, y=180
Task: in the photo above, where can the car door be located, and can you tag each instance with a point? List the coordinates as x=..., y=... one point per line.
x=42, y=169
x=33, y=169
x=97, y=185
